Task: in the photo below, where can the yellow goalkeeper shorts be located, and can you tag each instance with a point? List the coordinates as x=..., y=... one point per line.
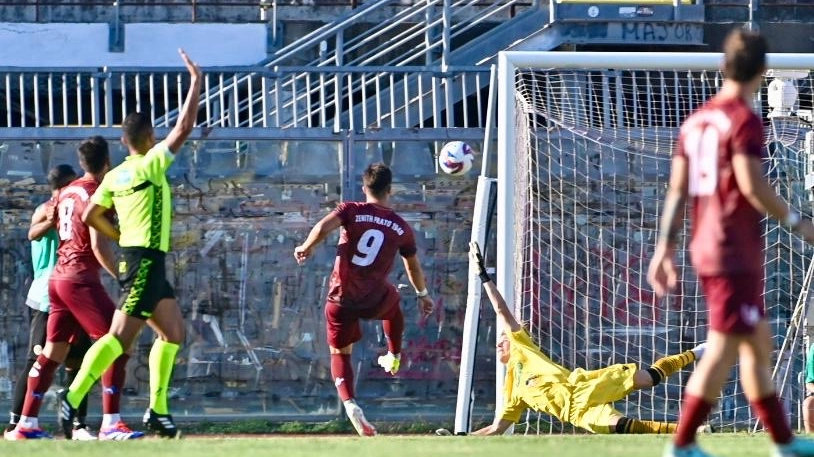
x=597, y=419
x=594, y=391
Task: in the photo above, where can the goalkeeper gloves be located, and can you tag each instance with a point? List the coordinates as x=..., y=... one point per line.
x=475, y=255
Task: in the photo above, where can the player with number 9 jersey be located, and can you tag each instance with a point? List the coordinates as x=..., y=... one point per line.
x=371, y=237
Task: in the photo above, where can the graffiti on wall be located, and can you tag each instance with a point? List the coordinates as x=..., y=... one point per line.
x=254, y=319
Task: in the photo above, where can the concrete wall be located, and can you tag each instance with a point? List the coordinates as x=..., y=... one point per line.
x=145, y=44
x=235, y=227
x=167, y=11
x=782, y=36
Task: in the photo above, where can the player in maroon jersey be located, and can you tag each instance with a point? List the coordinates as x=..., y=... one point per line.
x=372, y=234
x=717, y=165
x=78, y=300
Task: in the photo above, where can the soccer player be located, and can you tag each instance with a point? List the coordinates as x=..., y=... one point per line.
x=372, y=233
x=808, y=403
x=582, y=398
x=79, y=303
x=44, y=243
x=717, y=164
x=140, y=193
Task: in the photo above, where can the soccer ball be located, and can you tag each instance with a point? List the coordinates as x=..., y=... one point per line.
x=456, y=158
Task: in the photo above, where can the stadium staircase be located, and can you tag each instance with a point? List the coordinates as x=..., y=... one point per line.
x=426, y=44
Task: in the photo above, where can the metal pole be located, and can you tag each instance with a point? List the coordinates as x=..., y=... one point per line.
x=505, y=275
x=428, y=33
x=446, y=21
x=753, y=6
x=490, y=121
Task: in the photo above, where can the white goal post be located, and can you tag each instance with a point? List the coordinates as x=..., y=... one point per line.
x=584, y=141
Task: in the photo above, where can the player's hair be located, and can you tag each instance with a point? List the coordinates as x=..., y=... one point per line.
x=136, y=128
x=744, y=55
x=60, y=176
x=94, y=154
x=377, y=178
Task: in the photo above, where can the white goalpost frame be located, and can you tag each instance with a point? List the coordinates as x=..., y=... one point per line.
x=508, y=63
x=480, y=218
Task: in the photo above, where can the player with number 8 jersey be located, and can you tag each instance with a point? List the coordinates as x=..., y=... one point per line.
x=372, y=234
x=79, y=303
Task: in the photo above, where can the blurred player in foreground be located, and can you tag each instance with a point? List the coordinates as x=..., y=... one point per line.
x=582, y=398
x=372, y=234
x=718, y=165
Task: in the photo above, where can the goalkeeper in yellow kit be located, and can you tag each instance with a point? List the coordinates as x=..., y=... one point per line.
x=579, y=397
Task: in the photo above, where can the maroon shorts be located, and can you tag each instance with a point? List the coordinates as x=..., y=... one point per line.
x=342, y=321
x=735, y=302
x=78, y=308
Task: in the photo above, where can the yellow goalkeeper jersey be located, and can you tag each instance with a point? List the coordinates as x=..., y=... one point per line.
x=533, y=381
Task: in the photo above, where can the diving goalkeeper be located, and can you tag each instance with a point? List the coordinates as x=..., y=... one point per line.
x=582, y=398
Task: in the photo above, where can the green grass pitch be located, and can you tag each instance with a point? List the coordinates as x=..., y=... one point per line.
x=723, y=445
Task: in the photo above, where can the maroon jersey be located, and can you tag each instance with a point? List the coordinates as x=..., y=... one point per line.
x=726, y=228
x=370, y=238
x=75, y=258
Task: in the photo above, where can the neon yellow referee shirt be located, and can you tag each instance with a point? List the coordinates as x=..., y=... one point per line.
x=139, y=191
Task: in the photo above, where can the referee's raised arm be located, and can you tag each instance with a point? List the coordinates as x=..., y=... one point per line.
x=189, y=112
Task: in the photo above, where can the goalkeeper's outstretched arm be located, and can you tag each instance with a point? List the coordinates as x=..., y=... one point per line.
x=498, y=427
x=498, y=303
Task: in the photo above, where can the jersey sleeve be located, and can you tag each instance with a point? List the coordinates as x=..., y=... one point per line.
x=520, y=338
x=343, y=212
x=156, y=162
x=747, y=137
x=810, y=365
x=408, y=247
x=103, y=195
x=513, y=409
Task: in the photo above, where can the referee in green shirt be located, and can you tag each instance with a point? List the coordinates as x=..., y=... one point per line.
x=140, y=194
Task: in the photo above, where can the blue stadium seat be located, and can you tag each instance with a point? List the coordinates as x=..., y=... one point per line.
x=61, y=152
x=264, y=158
x=183, y=162
x=310, y=161
x=21, y=160
x=219, y=159
x=412, y=160
x=118, y=152
x=366, y=153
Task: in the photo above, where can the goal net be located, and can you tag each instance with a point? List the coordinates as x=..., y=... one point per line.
x=584, y=148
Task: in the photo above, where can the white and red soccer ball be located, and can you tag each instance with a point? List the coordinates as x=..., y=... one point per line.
x=456, y=158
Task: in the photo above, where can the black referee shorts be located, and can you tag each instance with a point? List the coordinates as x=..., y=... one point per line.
x=143, y=281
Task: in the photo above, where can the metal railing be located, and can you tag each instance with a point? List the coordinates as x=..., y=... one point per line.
x=291, y=97
x=425, y=33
